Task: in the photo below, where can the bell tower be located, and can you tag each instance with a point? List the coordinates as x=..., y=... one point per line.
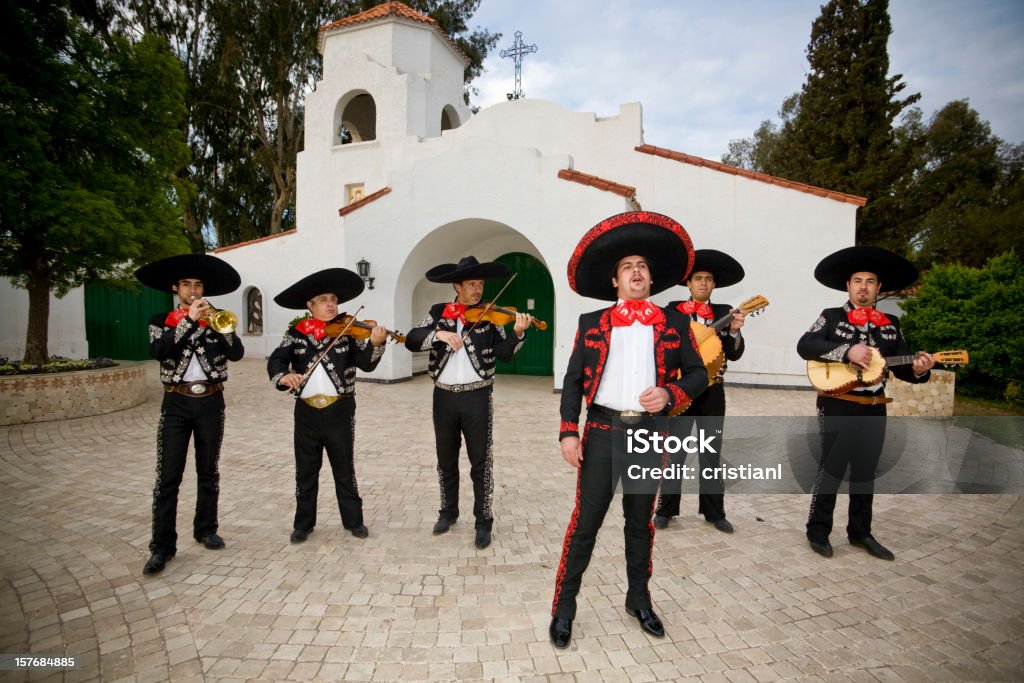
x=389, y=73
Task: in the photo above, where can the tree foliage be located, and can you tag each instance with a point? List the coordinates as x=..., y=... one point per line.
x=978, y=309
x=89, y=148
x=250, y=64
x=963, y=199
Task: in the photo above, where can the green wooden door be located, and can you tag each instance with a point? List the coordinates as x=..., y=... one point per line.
x=117, y=320
x=532, y=292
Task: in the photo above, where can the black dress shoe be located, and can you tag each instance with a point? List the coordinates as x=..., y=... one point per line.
x=660, y=521
x=211, y=541
x=649, y=621
x=873, y=547
x=360, y=531
x=156, y=563
x=823, y=549
x=442, y=526
x=560, y=632
x=722, y=524
x=300, y=535
x=483, y=538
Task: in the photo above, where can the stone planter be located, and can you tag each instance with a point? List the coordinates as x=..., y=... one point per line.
x=934, y=398
x=64, y=395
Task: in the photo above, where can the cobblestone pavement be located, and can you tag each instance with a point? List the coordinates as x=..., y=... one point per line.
x=757, y=605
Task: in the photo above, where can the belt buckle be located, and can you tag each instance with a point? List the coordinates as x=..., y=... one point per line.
x=630, y=416
x=320, y=401
x=197, y=389
x=456, y=388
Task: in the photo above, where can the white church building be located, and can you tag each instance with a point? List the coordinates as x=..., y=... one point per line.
x=398, y=174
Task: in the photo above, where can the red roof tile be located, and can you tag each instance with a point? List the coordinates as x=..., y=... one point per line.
x=382, y=12
x=345, y=210
x=753, y=175
x=219, y=250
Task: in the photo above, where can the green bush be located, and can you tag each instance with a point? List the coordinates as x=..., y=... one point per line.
x=977, y=309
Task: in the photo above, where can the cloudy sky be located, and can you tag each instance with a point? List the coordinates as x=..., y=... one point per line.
x=710, y=71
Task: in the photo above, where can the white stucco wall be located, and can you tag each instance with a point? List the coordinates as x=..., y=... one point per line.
x=66, y=329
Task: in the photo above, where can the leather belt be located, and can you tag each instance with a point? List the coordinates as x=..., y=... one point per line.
x=321, y=401
x=459, y=388
x=611, y=412
x=195, y=389
x=863, y=400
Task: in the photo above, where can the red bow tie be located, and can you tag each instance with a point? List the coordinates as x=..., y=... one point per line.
x=312, y=327
x=701, y=310
x=177, y=315
x=862, y=316
x=454, y=311
x=627, y=312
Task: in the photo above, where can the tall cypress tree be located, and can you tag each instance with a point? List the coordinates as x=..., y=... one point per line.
x=842, y=137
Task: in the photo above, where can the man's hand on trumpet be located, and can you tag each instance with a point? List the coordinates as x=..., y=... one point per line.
x=198, y=308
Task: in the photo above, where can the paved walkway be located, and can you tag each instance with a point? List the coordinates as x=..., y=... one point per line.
x=757, y=605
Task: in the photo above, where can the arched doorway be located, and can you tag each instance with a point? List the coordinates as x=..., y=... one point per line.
x=531, y=292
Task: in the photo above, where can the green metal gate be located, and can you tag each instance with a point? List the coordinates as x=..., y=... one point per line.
x=531, y=292
x=117, y=320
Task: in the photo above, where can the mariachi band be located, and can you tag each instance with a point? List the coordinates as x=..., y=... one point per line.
x=632, y=361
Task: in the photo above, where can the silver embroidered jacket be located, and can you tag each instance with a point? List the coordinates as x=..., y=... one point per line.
x=832, y=335
x=486, y=344
x=175, y=347
x=298, y=351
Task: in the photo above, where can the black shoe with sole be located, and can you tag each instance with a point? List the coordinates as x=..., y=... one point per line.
x=300, y=535
x=873, y=547
x=360, y=531
x=649, y=621
x=560, y=632
x=211, y=541
x=443, y=525
x=824, y=549
x=156, y=563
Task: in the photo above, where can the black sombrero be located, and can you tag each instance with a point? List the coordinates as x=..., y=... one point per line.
x=659, y=239
x=726, y=270
x=894, y=272
x=218, y=276
x=341, y=282
x=468, y=268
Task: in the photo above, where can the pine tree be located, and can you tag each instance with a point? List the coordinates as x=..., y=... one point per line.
x=842, y=137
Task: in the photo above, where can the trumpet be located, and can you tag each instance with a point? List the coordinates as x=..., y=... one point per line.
x=221, y=322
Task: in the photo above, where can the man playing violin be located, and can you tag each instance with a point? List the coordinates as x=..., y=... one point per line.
x=320, y=370
x=847, y=335
x=193, y=369
x=462, y=360
x=632, y=361
x=711, y=268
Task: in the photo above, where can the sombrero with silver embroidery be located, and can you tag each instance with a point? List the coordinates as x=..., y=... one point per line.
x=662, y=241
x=468, y=268
x=217, y=276
x=894, y=272
x=341, y=282
x=726, y=270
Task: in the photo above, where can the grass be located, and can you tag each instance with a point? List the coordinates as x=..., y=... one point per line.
x=999, y=420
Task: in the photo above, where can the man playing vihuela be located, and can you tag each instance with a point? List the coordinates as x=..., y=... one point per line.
x=853, y=423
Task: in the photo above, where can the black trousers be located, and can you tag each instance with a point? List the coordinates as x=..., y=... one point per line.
x=330, y=428
x=595, y=488
x=850, y=444
x=181, y=418
x=708, y=413
x=469, y=414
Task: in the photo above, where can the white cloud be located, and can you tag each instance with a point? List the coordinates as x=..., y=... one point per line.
x=710, y=72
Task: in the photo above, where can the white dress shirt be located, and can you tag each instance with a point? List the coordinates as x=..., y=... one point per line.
x=629, y=369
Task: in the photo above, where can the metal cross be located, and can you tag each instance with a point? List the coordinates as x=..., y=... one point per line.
x=517, y=52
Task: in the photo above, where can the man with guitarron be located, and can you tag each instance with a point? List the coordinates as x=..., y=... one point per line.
x=854, y=333
x=711, y=269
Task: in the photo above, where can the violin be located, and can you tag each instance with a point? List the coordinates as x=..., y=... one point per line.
x=357, y=329
x=499, y=315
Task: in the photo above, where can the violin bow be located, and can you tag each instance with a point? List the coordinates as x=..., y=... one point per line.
x=490, y=304
x=313, y=366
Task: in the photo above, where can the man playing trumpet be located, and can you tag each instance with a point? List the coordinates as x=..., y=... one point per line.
x=193, y=357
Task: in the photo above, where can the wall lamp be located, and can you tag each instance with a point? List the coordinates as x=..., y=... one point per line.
x=363, y=267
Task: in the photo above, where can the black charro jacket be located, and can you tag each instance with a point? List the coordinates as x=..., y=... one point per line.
x=486, y=344
x=678, y=365
x=175, y=345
